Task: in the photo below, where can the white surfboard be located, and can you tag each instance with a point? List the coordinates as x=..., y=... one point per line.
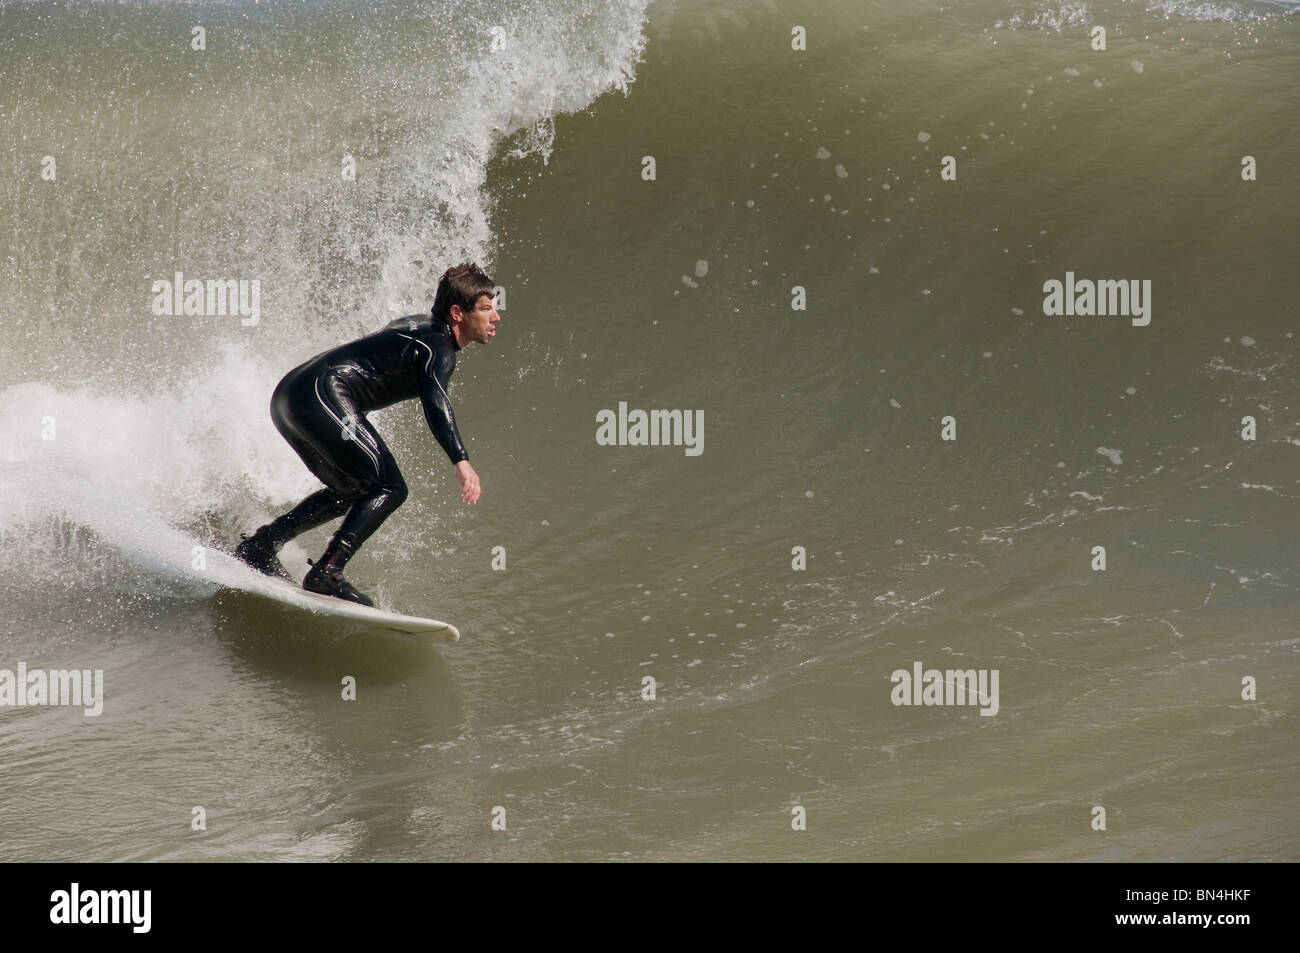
x=152, y=544
x=253, y=582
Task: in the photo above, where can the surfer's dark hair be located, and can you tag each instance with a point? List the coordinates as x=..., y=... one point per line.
x=461, y=284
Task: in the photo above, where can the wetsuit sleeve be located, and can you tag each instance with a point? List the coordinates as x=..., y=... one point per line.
x=434, y=379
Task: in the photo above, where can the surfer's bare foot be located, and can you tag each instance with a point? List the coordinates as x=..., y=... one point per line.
x=259, y=554
x=332, y=584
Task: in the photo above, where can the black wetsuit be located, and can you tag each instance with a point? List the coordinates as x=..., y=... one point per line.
x=320, y=406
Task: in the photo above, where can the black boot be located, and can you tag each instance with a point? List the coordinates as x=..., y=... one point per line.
x=258, y=552
x=326, y=576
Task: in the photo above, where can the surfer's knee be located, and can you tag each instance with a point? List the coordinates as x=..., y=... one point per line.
x=397, y=493
x=388, y=495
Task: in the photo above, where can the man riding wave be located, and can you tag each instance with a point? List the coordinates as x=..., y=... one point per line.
x=320, y=406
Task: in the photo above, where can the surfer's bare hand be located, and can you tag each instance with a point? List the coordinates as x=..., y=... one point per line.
x=468, y=482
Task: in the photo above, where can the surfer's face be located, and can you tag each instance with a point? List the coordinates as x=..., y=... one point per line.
x=480, y=324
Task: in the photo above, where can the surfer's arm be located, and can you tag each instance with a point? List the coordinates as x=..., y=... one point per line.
x=437, y=407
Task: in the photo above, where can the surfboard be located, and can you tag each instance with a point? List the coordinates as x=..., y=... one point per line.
x=286, y=593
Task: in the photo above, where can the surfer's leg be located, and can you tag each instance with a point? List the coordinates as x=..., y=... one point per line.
x=368, y=513
x=293, y=407
x=259, y=550
x=365, y=515
x=318, y=508
x=341, y=447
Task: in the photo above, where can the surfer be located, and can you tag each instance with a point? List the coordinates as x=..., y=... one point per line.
x=320, y=407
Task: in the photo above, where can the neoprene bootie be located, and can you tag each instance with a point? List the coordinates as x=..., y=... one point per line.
x=326, y=576
x=257, y=552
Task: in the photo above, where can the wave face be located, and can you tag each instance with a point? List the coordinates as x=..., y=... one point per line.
x=800, y=272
